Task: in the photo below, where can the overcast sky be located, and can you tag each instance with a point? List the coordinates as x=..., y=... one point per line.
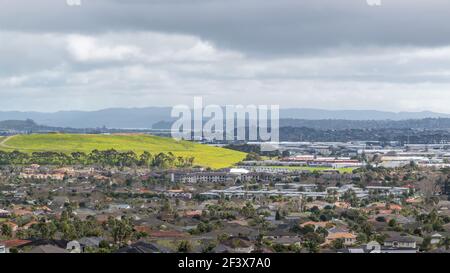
x=330, y=54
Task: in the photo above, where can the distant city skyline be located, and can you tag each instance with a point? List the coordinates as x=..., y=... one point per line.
x=321, y=54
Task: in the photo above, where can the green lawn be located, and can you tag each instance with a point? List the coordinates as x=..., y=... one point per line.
x=205, y=155
x=319, y=169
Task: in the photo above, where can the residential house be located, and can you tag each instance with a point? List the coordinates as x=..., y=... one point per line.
x=119, y=207
x=342, y=205
x=235, y=245
x=93, y=242
x=47, y=249
x=348, y=238
x=42, y=176
x=294, y=216
x=283, y=237
x=12, y=244
x=397, y=240
x=167, y=234
x=45, y=246
x=193, y=213
x=177, y=194
x=74, y=247
x=22, y=212
x=143, y=247
x=4, y=213
x=317, y=224
x=375, y=247
x=29, y=225
x=318, y=204
x=436, y=238
x=14, y=227
x=65, y=171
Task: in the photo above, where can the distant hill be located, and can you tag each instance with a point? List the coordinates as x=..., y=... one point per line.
x=129, y=118
x=402, y=135
x=19, y=125
x=341, y=124
x=316, y=114
x=145, y=118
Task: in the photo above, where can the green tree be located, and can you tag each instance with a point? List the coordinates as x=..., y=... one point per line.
x=121, y=230
x=208, y=247
x=184, y=246
x=6, y=230
x=446, y=243
x=426, y=244
x=278, y=215
x=338, y=244
x=311, y=245
x=47, y=230
x=146, y=159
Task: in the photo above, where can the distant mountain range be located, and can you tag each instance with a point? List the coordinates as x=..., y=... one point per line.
x=145, y=118
x=317, y=114
x=342, y=124
x=19, y=125
x=129, y=118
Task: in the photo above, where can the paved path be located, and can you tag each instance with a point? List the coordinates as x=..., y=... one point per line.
x=3, y=142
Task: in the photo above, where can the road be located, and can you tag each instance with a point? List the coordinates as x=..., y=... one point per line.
x=3, y=142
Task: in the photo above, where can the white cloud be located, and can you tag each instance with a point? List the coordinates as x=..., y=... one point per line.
x=85, y=48
x=144, y=47
x=54, y=71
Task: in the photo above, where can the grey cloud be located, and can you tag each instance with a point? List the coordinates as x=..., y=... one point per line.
x=338, y=54
x=148, y=68
x=281, y=27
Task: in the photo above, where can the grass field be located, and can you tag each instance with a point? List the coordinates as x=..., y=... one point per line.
x=204, y=155
x=319, y=169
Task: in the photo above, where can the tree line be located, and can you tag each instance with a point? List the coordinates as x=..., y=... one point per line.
x=70, y=227
x=109, y=157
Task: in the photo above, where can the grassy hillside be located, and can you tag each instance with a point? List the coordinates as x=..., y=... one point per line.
x=319, y=169
x=208, y=156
